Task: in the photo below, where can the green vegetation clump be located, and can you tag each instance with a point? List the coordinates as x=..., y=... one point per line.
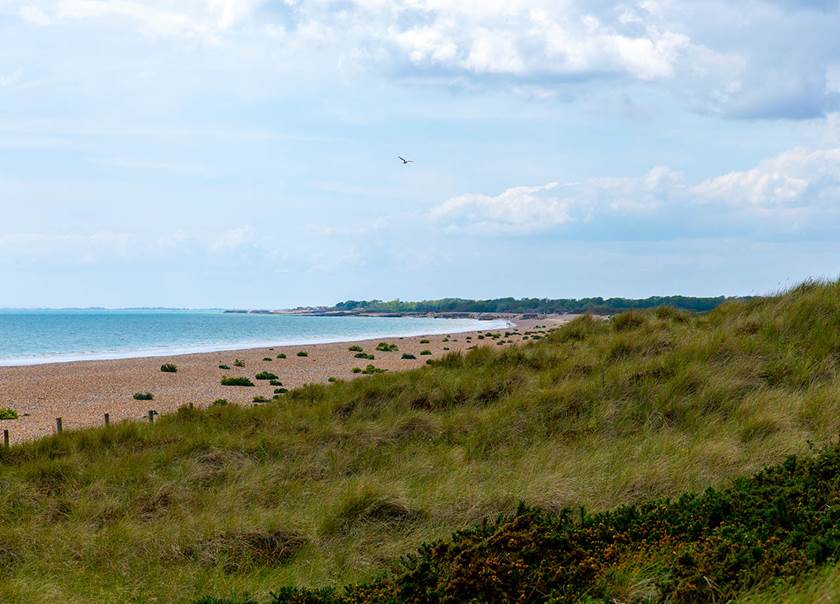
x=238, y=363
x=303, y=353
x=332, y=379
x=168, y=368
x=219, y=402
x=280, y=391
x=363, y=355
x=355, y=348
x=282, y=355
x=265, y=375
x=260, y=399
x=275, y=382
x=424, y=341
x=269, y=359
x=7, y=413
x=224, y=366
x=370, y=370
x=143, y=396
x=236, y=381
x=386, y=347
x=408, y=356
x=424, y=353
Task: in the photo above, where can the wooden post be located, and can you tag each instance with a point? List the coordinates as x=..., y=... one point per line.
x=107, y=420
x=58, y=425
x=5, y=439
x=152, y=416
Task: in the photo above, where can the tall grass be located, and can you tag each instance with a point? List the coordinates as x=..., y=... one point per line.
x=596, y=414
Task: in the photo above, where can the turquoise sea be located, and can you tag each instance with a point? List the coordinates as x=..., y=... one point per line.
x=30, y=337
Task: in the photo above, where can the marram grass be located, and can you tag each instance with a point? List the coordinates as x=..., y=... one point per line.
x=344, y=479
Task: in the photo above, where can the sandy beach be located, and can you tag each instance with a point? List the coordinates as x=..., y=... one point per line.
x=82, y=392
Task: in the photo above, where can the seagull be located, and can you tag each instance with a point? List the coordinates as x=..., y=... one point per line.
x=405, y=161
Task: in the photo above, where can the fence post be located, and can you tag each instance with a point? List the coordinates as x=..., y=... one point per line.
x=58, y=425
x=107, y=420
x=152, y=416
x=5, y=439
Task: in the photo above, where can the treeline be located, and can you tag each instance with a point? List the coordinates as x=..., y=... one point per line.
x=596, y=305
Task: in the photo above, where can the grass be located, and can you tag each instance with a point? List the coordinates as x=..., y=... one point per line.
x=236, y=381
x=168, y=368
x=7, y=413
x=224, y=366
x=143, y=396
x=239, y=363
x=596, y=414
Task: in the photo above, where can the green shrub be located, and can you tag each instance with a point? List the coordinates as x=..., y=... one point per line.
x=282, y=355
x=265, y=375
x=219, y=402
x=260, y=399
x=236, y=381
x=363, y=355
x=224, y=366
x=357, y=369
x=425, y=353
x=275, y=382
x=408, y=356
x=370, y=370
x=386, y=347
x=303, y=353
x=239, y=363
x=168, y=368
x=424, y=341
x=332, y=379
x=143, y=396
x=355, y=348
x=7, y=413
x=267, y=359
x=280, y=391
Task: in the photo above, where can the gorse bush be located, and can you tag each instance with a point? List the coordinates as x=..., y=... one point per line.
x=355, y=348
x=236, y=381
x=282, y=355
x=168, y=368
x=265, y=375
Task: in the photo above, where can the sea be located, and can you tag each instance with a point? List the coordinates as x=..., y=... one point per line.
x=31, y=337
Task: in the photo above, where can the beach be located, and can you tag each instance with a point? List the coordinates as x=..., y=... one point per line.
x=82, y=392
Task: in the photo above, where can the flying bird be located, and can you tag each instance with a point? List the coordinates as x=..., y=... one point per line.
x=405, y=161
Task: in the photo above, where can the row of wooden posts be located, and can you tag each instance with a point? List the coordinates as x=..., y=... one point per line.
x=59, y=427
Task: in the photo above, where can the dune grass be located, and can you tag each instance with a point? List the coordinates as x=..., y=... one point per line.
x=345, y=478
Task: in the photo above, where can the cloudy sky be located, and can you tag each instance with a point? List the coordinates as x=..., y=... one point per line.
x=243, y=152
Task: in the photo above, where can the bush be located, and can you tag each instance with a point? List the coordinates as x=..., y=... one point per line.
x=357, y=369
x=219, y=402
x=236, y=381
x=303, y=353
x=224, y=366
x=143, y=396
x=282, y=355
x=332, y=379
x=168, y=368
x=424, y=341
x=386, y=347
x=355, y=348
x=275, y=383
x=267, y=359
x=363, y=355
x=425, y=353
x=370, y=370
x=260, y=399
x=408, y=356
x=265, y=375
x=7, y=413
x=280, y=391
x=239, y=363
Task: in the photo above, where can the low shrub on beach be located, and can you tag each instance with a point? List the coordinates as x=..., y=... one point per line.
x=265, y=375
x=7, y=413
x=332, y=379
x=168, y=368
x=260, y=399
x=223, y=366
x=408, y=356
x=280, y=391
x=239, y=363
x=370, y=370
x=424, y=341
x=282, y=355
x=303, y=353
x=219, y=402
x=236, y=381
x=363, y=355
x=355, y=348
x=425, y=353
x=357, y=370
x=386, y=347
x=275, y=382
x=143, y=396
x=269, y=359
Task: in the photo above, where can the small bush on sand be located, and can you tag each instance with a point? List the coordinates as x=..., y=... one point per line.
x=259, y=399
x=236, y=381
x=363, y=355
x=239, y=363
x=424, y=341
x=355, y=348
x=267, y=359
x=357, y=369
x=332, y=379
x=219, y=402
x=303, y=353
x=282, y=355
x=408, y=356
x=280, y=391
x=168, y=368
x=425, y=353
x=6, y=413
x=370, y=370
x=386, y=347
x=224, y=366
x=265, y=375
x=143, y=396
x=275, y=383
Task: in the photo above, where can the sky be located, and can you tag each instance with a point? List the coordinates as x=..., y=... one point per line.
x=243, y=153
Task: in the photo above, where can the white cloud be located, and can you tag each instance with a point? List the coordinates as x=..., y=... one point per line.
x=34, y=14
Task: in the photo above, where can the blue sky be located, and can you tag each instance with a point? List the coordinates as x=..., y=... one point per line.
x=243, y=152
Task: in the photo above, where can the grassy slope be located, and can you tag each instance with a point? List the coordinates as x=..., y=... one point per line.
x=653, y=404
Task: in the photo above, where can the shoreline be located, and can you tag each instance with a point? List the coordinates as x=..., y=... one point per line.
x=81, y=392
x=75, y=357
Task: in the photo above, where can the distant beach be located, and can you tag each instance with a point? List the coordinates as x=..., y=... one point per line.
x=81, y=392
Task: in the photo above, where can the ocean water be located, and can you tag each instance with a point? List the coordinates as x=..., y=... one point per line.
x=29, y=337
